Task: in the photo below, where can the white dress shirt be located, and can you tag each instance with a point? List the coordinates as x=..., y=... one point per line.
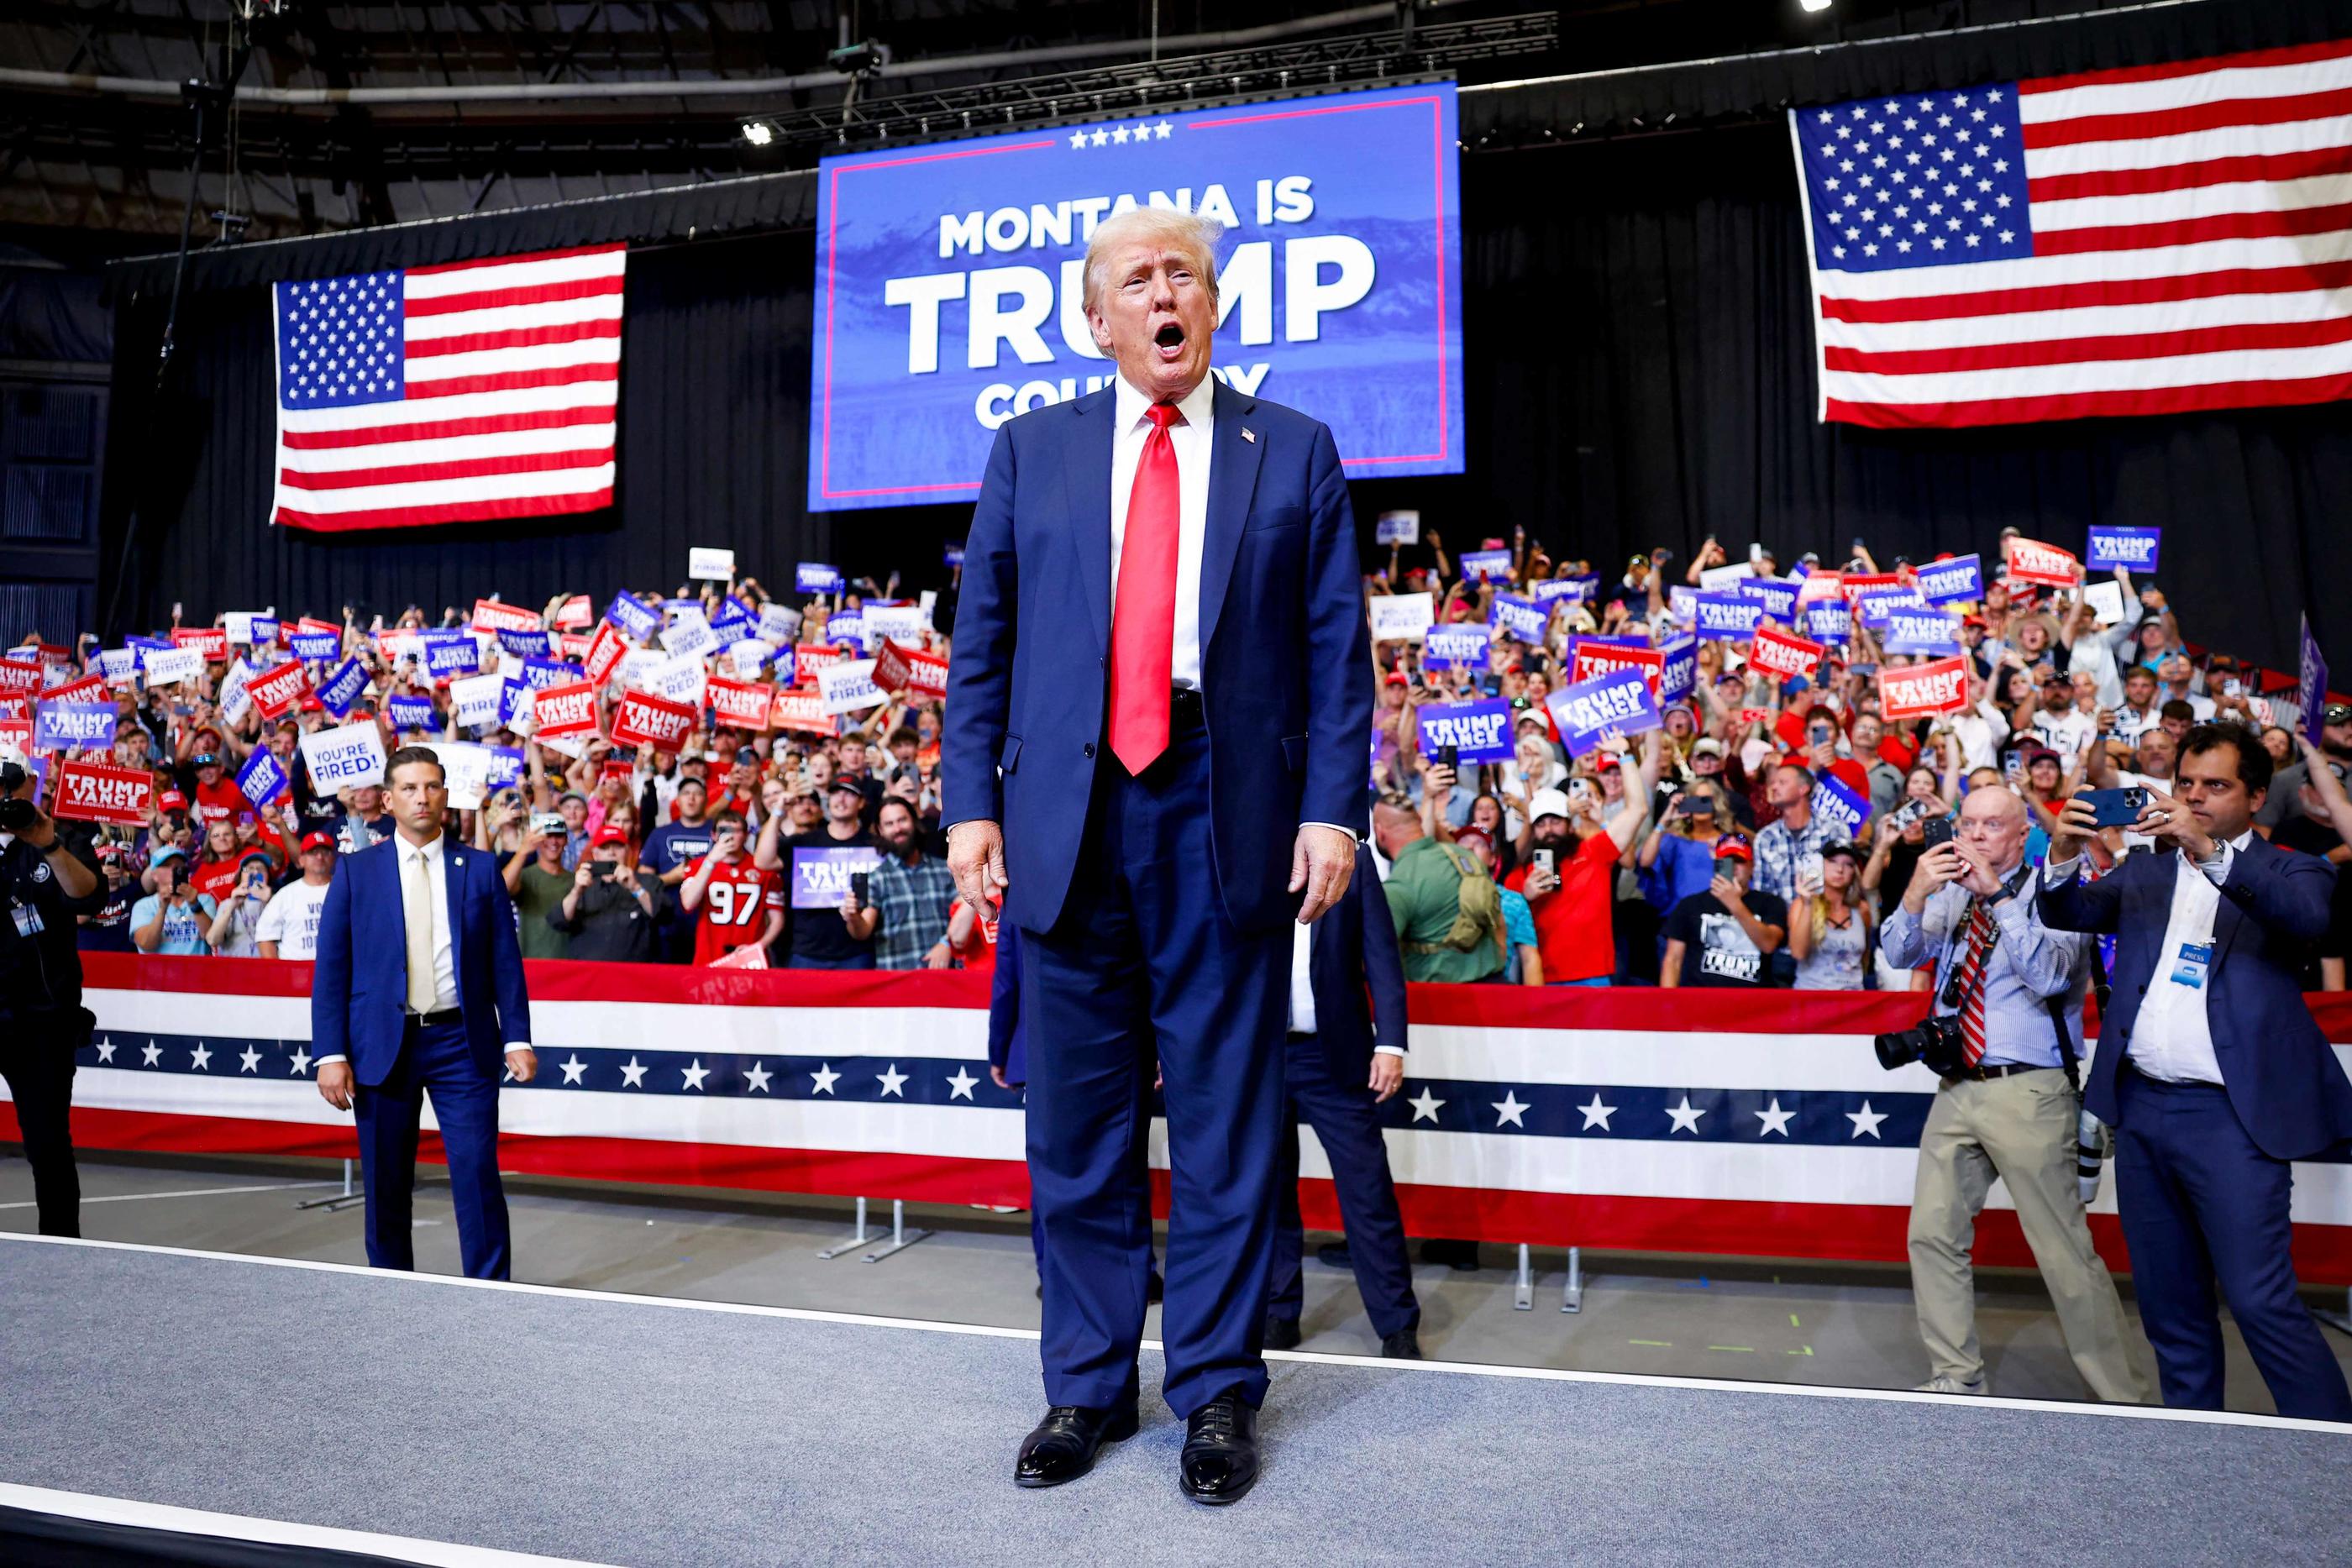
x=1190, y=436
x=1302, y=987
x=2172, y=1039
x=445, y=954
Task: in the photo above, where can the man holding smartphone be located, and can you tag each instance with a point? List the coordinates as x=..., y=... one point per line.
x=740, y=904
x=613, y=912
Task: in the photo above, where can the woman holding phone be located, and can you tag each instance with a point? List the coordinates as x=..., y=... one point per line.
x=237, y=906
x=1831, y=932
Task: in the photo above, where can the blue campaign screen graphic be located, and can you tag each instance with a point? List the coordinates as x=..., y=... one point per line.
x=948, y=288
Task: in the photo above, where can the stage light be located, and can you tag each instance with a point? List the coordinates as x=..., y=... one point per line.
x=1813, y=4
x=759, y=132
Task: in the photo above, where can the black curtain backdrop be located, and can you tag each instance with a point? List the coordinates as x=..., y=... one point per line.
x=1639, y=369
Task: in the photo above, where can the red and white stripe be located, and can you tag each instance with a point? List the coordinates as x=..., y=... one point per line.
x=2192, y=250
x=512, y=370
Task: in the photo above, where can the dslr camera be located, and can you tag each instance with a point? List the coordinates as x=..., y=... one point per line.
x=16, y=812
x=1936, y=1042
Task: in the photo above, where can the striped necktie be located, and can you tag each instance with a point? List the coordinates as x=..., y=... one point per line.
x=1972, y=981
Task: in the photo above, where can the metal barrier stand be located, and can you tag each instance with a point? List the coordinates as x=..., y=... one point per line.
x=900, y=1237
x=1522, y=1288
x=339, y=1199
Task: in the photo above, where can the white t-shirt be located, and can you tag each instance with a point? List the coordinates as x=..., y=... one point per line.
x=290, y=919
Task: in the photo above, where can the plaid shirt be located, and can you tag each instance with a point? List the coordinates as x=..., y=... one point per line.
x=1779, y=847
x=914, y=902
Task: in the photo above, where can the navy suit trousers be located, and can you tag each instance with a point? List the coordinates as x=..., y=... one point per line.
x=2199, y=1201
x=1143, y=968
x=1347, y=1123
x=434, y=1060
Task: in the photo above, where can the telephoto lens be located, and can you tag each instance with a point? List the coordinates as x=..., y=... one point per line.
x=2092, y=1142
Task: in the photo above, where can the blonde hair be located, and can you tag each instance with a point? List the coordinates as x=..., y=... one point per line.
x=1191, y=235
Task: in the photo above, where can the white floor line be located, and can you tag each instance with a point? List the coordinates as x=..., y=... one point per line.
x=277, y=1531
x=188, y=1192
x=1369, y=1363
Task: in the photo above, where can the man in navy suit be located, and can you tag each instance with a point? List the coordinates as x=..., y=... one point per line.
x=2211, y=1069
x=418, y=990
x=1346, y=1056
x=1154, y=750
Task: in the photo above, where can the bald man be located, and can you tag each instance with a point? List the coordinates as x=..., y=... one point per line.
x=2013, y=989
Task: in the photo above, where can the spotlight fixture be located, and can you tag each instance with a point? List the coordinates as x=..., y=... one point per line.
x=1813, y=4
x=759, y=132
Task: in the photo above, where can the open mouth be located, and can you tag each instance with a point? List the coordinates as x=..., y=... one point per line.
x=1169, y=341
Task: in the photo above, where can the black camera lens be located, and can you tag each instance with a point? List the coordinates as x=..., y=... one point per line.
x=1897, y=1050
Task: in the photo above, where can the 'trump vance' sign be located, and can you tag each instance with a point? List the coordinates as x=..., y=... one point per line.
x=948, y=288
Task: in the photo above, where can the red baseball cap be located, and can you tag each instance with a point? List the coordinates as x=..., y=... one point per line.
x=172, y=800
x=315, y=841
x=1728, y=848
x=608, y=834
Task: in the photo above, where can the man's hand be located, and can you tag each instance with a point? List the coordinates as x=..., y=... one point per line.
x=1977, y=872
x=1540, y=883
x=2167, y=819
x=585, y=874
x=1937, y=868
x=1322, y=860
x=2076, y=826
x=523, y=1064
x=1387, y=1075
x=940, y=956
x=976, y=856
x=336, y=1084
x=1727, y=893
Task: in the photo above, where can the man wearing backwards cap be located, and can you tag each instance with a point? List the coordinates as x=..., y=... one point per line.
x=1722, y=937
x=289, y=921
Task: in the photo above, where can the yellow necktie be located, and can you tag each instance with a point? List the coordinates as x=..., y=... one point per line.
x=418, y=907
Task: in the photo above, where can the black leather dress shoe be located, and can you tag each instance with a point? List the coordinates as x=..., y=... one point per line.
x=1064, y=1445
x=1219, y=1460
x=1282, y=1333
x=1402, y=1346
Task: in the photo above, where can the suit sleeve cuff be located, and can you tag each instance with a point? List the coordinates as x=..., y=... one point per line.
x=2216, y=870
x=519, y=1045
x=1333, y=826
x=323, y=1060
x=1395, y=1051
x=2057, y=873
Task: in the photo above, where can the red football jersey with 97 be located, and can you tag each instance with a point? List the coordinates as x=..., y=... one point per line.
x=735, y=907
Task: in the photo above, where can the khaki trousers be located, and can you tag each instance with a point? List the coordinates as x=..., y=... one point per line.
x=2021, y=1129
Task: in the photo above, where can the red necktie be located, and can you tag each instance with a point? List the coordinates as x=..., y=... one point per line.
x=1144, y=621
x=1972, y=984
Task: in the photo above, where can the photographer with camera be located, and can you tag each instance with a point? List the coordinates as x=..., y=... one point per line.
x=2003, y=1034
x=48, y=880
x=2211, y=1066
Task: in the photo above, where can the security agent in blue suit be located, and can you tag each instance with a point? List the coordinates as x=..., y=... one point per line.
x=1156, y=765
x=2211, y=1069
x=418, y=989
x=1346, y=1056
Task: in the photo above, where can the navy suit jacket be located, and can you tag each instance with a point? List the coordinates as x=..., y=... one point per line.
x=361, y=975
x=1285, y=684
x=2282, y=1075
x=1006, y=1048
x=1358, y=972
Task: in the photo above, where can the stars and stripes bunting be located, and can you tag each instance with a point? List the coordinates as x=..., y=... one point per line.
x=412, y=396
x=2152, y=239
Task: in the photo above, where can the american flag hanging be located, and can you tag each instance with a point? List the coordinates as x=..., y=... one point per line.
x=448, y=394
x=2154, y=239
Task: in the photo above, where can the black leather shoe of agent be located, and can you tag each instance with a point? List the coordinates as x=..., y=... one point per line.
x=1219, y=1460
x=1402, y=1346
x=1282, y=1333
x=1064, y=1445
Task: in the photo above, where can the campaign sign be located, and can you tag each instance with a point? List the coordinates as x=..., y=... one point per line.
x=898, y=668
x=315, y=647
x=490, y=615
x=949, y=283
x=679, y=678
x=1918, y=691
x=341, y=758
x=1480, y=730
x=1920, y=631
x=640, y=719
x=605, y=652
x=802, y=712
x=1494, y=565
x=1726, y=615
x=778, y=623
x=89, y=689
x=784, y=663
x=1819, y=587
x=277, y=692
x=118, y=664
x=343, y=688
x=540, y=673
x=507, y=766
x=1455, y=648
x=1680, y=671
x=1827, y=623
x=1778, y=598
x=705, y=564
x=815, y=577
x=20, y=679
x=1951, y=582
x=812, y=659
x=1522, y=618
x=1875, y=606
x=882, y=622
x=846, y=630
x=249, y=626
x=560, y=711
x=524, y=644
x=210, y=642
x=2132, y=548
x=514, y=701
x=739, y=704
x=690, y=636
x=1778, y=653
x=174, y=668
x=450, y=655
x=636, y=666
x=465, y=772
x=1598, y=656
x=575, y=614
x=1591, y=712
x=632, y=617
x=952, y=554
x=2312, y=685
x=1400, y=617
x=1837, y=808
x=475, y=700
x=263, y=778
x=408, y=713
x=1397, y=528
x=73, y=726
x=849, y=687
x=2030, y=560
x=821, y=876
x=100, y=792
x=749, y=659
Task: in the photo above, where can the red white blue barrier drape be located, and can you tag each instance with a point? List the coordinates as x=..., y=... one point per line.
x=1682, y=1122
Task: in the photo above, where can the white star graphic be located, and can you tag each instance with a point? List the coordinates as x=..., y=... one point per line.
x=757, y=1078
x=1685, y=1118
x=1775, y=1120
x=694, y=1074
x=201, y=1059
x=1425, y=1107
x=1078, y=139
x=890, y=1080
x=1596, y=1114
x=1159, y=131
x=1118, y=133
x=249, y=1060
x=1507, y=1110
x=153, y=1052
x=1866, y=1121
x=960, y=1086
x=1102, y=137
x=633, y=1075
x=825, y=1076
x=106, y=1049
x=572, y=1068
x=302, y=1062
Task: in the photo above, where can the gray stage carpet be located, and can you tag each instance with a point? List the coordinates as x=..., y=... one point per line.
x=649, y=1434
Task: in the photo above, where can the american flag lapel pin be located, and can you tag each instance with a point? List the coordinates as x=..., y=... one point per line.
x=1249, y=435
